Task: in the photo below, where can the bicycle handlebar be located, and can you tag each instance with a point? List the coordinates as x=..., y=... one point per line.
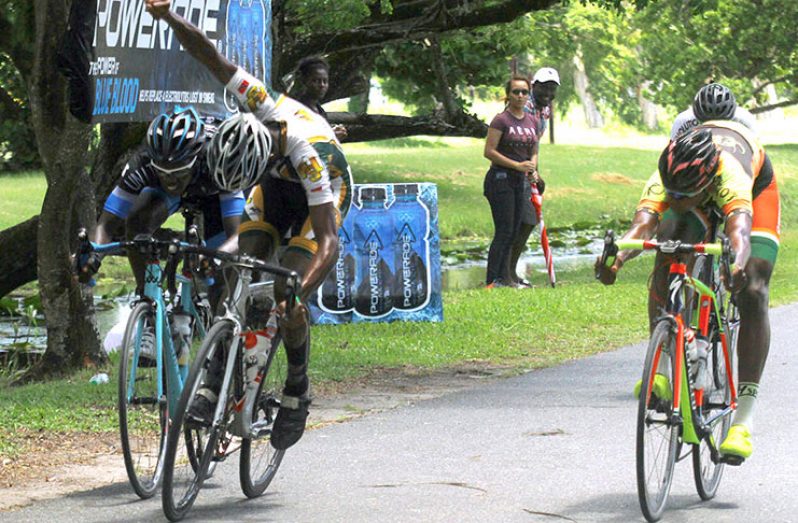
x=612, y=246
x=164, y=248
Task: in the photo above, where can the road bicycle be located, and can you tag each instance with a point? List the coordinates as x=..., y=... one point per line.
x=692, y=348
x=249, y=395
x=155, y=350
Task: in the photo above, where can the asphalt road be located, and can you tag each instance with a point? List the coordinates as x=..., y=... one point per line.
x=551, y=445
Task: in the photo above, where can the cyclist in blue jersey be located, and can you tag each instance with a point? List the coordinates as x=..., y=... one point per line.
x=170, y=172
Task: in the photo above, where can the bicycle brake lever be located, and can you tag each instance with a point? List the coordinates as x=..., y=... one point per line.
x=609, y=252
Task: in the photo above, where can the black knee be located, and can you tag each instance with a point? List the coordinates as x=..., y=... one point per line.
x=755, y=296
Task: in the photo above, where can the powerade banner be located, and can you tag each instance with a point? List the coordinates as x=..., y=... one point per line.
x=141, y=70
x=389, y=258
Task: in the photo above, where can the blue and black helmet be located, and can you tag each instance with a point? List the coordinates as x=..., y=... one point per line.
x=176, y=137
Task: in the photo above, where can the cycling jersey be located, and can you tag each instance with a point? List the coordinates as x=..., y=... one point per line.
x=686, y=120
x=311, y=154
x=744, y=182
x=140, y=176
x=309, y=157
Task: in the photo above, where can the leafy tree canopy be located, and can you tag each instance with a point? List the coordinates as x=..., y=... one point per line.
x=747, y=44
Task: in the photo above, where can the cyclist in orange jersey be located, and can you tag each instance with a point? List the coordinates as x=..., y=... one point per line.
x=720, y=165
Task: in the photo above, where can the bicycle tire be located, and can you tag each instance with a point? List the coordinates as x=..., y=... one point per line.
x=190, y=450
x=142, y=414
x=706, y=473
x=657, y=436
x=259, y=461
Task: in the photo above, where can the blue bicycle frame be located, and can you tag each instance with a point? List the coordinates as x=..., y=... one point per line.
x=165, y=353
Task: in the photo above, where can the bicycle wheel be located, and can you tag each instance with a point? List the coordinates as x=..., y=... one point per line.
x=259, y=460
x=717, y=395
x=190, y=449
x=657, y=433
x=142, y=414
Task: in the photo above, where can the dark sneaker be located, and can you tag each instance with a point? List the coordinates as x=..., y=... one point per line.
x=495, y=284
x=200, y=413
x=290, y=422
x=523, y=284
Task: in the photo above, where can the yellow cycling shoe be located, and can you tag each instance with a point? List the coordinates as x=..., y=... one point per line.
x=738, y=442
x=662, y=387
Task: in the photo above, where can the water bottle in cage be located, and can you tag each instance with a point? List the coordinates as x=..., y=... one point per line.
x=698, y=364
x=181, y=332
x=256, y=350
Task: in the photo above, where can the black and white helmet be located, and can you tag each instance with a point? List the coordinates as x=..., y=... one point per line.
x=714, y=102
x=238, y=152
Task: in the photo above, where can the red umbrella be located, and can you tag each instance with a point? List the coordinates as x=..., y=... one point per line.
x=537, y=202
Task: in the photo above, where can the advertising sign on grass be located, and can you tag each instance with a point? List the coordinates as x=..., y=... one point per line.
x=388, y=265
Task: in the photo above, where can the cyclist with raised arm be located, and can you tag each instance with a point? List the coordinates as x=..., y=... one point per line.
x=712, y=102
x=722, y=165
x=169, y=173
x=306, y=191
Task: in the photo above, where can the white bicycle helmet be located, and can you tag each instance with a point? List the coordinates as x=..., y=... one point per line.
x=238, y=152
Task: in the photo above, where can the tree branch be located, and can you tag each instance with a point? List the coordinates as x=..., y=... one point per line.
x=413, y=24
x=766, y=108
x=369, y=127
x=787, y=78
x=18, y=255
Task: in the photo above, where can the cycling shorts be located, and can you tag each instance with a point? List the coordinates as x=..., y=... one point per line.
x=278, y=208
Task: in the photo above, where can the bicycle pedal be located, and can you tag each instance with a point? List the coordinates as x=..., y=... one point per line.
x=734, y=461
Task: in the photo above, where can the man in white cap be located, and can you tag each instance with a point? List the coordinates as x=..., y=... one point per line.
x=544, y=87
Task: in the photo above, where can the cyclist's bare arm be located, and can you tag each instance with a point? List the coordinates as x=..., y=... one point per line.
x=108, y=226
x=230, y=225
x=322, y=219
x=196, y=43
x=644, y=226
x=738, y=230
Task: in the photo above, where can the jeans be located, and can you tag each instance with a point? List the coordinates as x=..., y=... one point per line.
x=505, y=192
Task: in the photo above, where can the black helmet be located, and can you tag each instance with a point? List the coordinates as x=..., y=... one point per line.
x=176, y=137
x=689, y=163
x=714, y=102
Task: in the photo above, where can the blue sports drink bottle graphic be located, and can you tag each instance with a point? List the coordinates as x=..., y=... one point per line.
x=410, y=249
x=373, y=232
x=247, y=40
x=336, y=294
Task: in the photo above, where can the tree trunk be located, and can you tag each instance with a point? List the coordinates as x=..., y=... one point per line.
x=72, y=339
x=648, y=109
x=447, y=100
x=777, y=113
x=593, y=117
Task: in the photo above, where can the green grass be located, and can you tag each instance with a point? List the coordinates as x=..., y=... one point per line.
x=526, y=329
x=584, y=184
x=22, y=196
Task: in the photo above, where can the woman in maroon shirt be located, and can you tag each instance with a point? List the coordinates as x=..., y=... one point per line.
x=510, y=146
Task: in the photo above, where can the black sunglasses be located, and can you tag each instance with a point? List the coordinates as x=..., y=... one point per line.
x=520, y=91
